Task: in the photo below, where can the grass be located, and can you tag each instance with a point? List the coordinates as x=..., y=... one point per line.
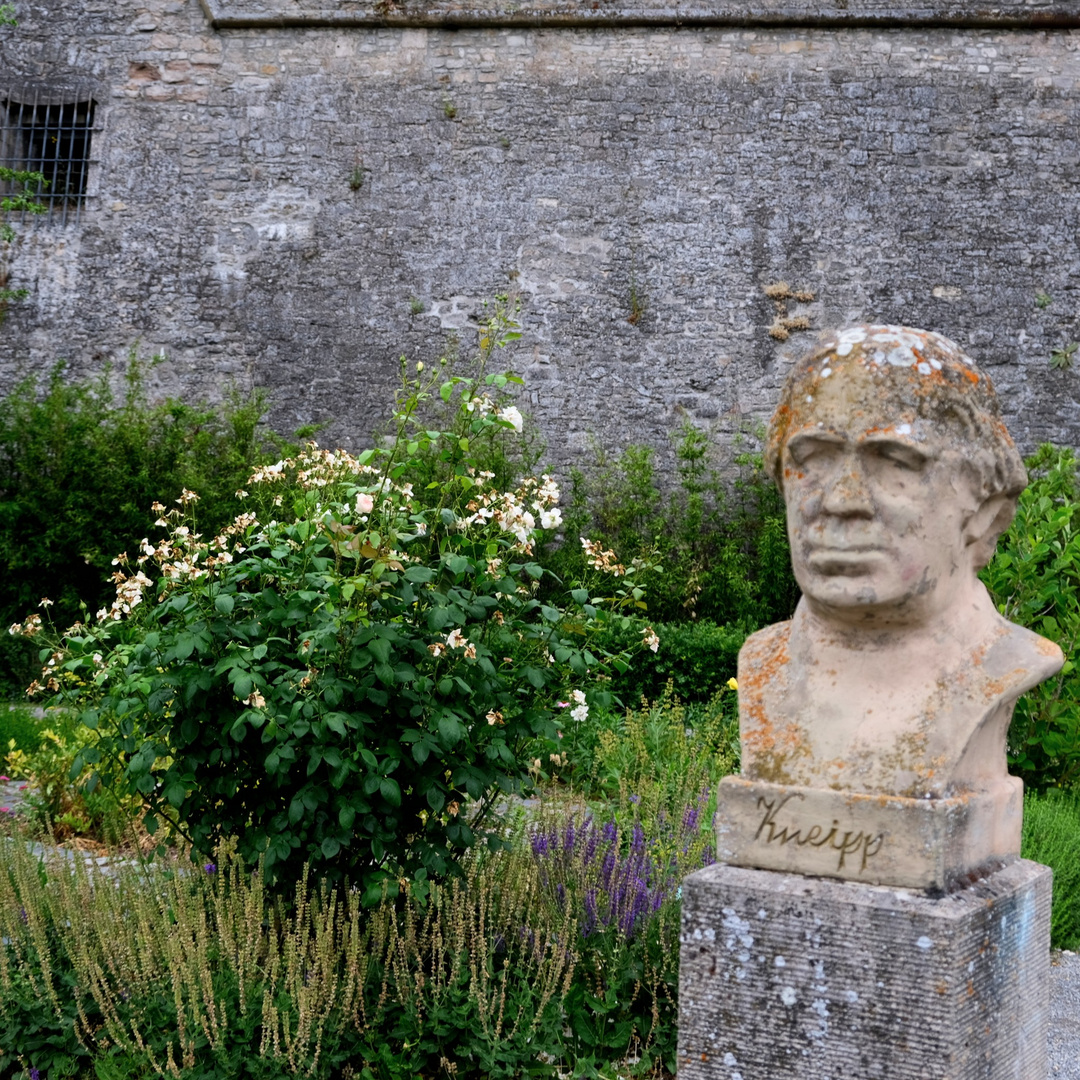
x=1052, y=837
x=20, y=728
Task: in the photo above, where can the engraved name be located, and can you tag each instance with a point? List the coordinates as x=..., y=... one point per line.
x=849, y=843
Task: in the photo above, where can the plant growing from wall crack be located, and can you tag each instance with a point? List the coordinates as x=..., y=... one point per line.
x=784, y=324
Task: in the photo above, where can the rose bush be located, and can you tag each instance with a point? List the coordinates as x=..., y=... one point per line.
x=354, y=671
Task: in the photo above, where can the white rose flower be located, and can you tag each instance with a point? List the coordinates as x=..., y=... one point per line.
x=511, y=416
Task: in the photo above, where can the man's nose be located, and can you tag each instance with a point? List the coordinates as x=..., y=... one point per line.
x=848, y=493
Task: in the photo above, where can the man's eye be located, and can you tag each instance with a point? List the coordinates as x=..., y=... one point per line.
x=903, y=457
x=813, y=453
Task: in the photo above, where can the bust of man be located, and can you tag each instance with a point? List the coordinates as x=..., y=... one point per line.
x=896, y=676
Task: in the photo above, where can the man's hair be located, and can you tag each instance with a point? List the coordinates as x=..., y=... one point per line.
x=916, y=373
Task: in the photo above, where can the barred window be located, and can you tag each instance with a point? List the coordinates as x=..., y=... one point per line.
x=48, y=130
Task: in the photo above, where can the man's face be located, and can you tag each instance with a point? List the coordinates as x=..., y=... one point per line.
x=876, y=514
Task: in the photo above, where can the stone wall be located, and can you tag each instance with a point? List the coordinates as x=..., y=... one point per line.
x=906, y=163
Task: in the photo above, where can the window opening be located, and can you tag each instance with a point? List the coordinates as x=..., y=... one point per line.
x=45, y=131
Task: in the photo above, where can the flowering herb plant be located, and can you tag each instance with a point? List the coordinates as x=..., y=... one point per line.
x=354, y=670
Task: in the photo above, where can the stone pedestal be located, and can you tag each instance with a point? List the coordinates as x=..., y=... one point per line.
x=788, y=977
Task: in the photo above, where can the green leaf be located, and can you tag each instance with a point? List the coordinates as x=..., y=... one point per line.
x=388, y=788
x=224, y=603
x=419, y=574
x=330, y=847
x=450, y=728
x=458, y=564
x=380, y=649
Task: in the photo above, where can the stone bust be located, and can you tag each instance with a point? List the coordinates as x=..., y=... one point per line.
x=896, y=676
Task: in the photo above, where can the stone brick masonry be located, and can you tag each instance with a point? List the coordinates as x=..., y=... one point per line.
x=905, y=163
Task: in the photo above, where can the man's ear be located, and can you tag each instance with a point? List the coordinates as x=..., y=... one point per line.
x=985, y=525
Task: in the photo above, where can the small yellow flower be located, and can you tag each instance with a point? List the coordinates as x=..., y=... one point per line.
x=732, y=683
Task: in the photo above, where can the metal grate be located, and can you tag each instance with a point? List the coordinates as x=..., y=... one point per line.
x=48, y=130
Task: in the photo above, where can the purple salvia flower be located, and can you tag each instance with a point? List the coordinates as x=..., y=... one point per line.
x=568, y=837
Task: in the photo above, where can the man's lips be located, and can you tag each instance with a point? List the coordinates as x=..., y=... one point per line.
x=844, y=559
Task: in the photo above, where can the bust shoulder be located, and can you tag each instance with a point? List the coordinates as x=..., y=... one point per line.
x=763, y=661
x=766, y=643
x=1018, y=659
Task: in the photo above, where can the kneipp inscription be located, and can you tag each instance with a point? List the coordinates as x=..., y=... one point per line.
x=862, y=845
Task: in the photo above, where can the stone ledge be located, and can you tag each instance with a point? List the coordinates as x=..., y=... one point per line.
x=930, y=844
x=449, y=14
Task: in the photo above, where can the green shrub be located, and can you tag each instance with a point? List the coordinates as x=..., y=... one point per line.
x=1035, y=581
x=79, y=467
x=695, y=658
x=60, y=801
x=1052, y=837
x=662, y=752
x=349, y=675
x=720, y=534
